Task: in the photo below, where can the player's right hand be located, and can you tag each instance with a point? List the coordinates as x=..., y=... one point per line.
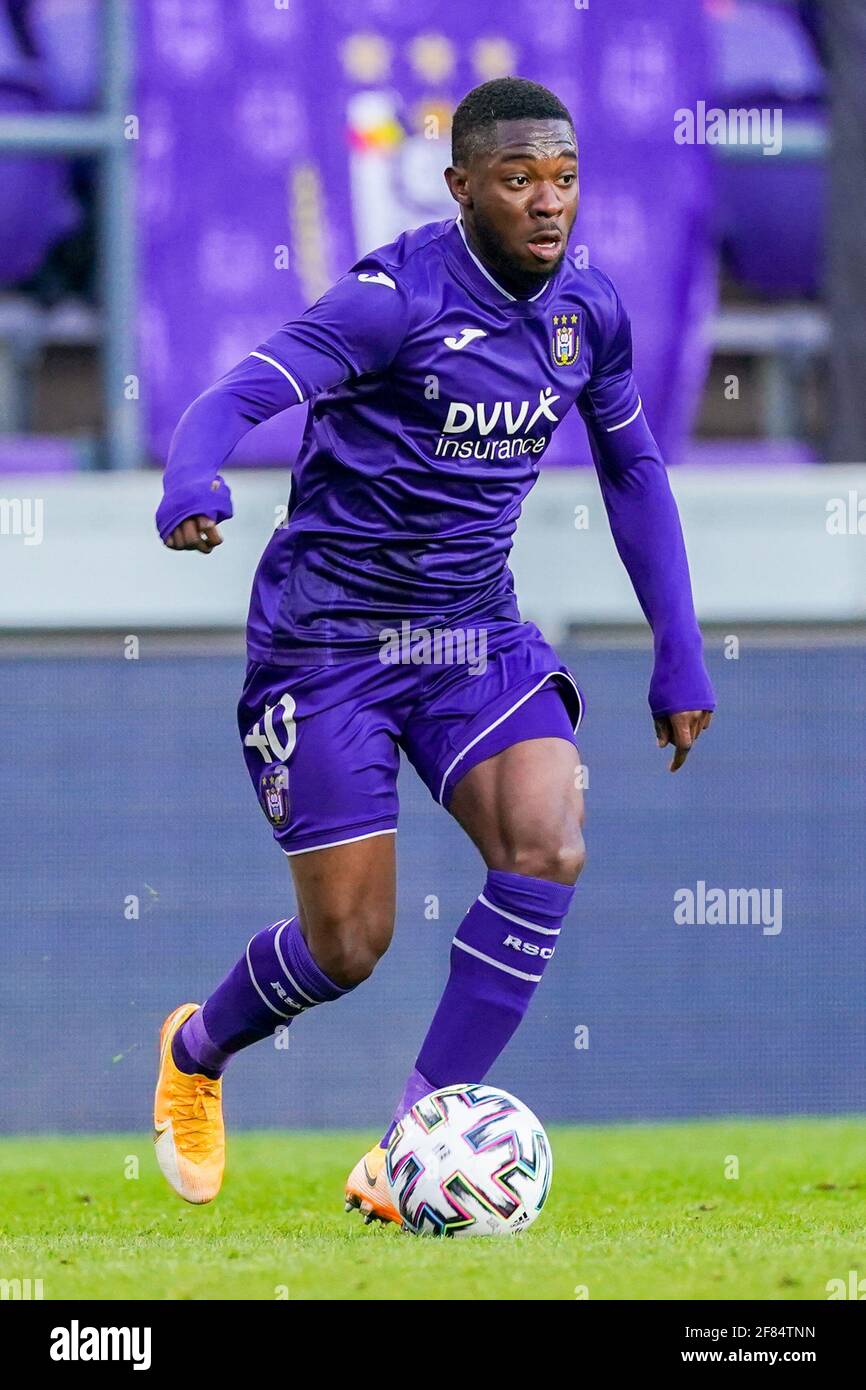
x=680, y=732
x=196, y=533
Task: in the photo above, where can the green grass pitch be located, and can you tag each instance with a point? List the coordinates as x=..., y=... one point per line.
x=635, y=1212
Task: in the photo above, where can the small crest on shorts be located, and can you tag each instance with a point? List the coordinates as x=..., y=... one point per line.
x=565, y=340
x=274, y=794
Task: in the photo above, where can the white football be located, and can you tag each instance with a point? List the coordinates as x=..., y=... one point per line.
x=469, y=1160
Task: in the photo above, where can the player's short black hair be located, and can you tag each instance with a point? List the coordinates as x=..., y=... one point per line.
x=504, y=99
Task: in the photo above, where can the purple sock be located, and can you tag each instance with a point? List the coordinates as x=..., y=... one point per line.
x=275, y=980
x=497, y=960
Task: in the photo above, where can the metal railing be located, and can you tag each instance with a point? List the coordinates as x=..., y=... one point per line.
x=102, y=135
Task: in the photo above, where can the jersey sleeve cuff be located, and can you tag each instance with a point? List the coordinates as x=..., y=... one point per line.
x=208, y=500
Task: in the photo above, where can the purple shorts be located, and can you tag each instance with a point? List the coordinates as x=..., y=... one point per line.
x=322, y=743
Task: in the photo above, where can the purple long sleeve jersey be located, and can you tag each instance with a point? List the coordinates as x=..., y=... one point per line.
x=433, y=394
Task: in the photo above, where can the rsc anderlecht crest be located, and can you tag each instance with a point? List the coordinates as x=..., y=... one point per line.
x=565, y=341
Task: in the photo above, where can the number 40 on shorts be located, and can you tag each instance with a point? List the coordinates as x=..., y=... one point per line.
x=264, y=736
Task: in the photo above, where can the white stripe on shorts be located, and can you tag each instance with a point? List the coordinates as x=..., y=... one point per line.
x=484, y=732
x=351, y=840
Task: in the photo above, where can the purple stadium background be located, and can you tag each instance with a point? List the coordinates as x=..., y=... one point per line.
x=302, y=135
x=276, y=144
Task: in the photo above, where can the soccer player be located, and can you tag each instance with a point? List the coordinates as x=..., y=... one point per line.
x=436, y=371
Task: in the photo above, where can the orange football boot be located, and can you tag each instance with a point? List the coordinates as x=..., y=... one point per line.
x=367, y=1189
x=188, y=1130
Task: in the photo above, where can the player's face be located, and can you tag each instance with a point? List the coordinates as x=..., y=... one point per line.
x=520, y=198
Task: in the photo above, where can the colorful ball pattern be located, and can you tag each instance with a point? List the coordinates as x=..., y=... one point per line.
x=469, y=1160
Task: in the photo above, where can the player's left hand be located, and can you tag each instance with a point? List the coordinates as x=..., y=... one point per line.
x=680, y=731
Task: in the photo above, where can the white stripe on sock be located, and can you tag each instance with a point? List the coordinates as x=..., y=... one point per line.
x=509, y=969
x=273, y=1008
x=288, y=974
x=521, y=921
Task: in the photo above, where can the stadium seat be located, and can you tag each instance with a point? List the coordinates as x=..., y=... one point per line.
x=771, y=206
x=763, y=50
x=36, y=208
x=67, y=35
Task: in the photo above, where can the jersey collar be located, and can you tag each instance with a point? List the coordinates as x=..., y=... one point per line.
x=471, y=270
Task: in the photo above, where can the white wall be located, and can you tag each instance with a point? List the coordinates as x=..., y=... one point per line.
x=758, y=543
